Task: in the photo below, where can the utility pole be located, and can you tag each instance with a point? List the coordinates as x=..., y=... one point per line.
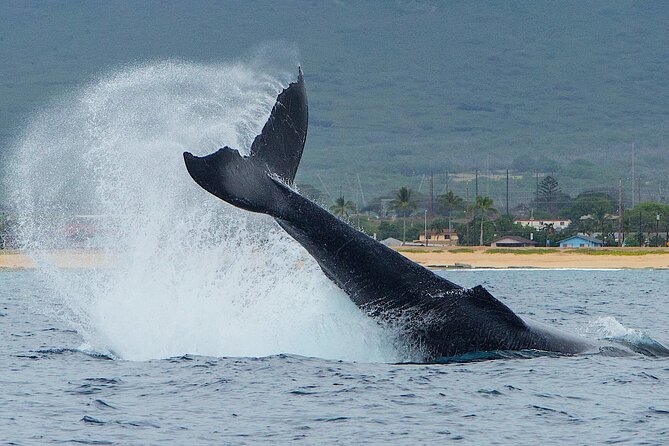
x=487, y=174
x=507, y=192
x=477, y=185
x=659, y=191
x=620, y=212
x=431, y=193
x=362, y=194
x=633, y=177
x=422, y=179
x=426, y=242
x=536, y=188
x=467, y=199
x=657, y=230
x=325, y=188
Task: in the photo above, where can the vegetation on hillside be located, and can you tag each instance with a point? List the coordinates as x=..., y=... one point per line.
x=577, y=90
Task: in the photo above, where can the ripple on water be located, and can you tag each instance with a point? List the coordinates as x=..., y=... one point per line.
x=64, y=393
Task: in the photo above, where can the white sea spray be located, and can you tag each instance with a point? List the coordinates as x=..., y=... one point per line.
x=189, y=273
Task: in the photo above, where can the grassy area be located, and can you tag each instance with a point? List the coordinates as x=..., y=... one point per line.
x=521, y=251
x=542, y=251
x=618, y=252
x=418, y=250
x=584, y=251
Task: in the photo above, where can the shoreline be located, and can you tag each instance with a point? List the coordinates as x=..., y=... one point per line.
x=432, y=257
x=485, y=257
x=65, y=258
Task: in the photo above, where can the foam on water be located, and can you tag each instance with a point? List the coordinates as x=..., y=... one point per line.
x=610, y=329
x=190, y=273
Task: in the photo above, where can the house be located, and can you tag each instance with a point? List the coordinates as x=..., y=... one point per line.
x=581, y=241
x=558, y=224
x=512, y=241
x=439, y=237
x=391, y=242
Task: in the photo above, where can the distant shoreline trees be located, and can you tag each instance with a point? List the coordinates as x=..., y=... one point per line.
x=342, y=208
x=450, y=202
x=402, y=202
x=484, y=205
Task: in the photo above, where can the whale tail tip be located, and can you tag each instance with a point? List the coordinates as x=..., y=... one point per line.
x=247, y=182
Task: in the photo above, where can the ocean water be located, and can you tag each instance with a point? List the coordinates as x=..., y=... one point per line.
x=55, y=388
x=214, y=327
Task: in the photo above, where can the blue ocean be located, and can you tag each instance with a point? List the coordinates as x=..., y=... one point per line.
x=210, y=325
x=62, y=384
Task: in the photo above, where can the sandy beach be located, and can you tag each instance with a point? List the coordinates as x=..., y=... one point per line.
x=62, y=259
x=431, y=257
x=485, y=257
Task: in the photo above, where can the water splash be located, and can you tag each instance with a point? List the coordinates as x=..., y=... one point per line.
x=190, y=273
x=608, y=328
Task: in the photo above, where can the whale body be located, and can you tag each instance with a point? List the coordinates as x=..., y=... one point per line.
x=435, y=316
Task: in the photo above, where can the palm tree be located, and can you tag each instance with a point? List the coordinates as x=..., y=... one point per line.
x=484, y=204
x=449, y=202
x=342, y=208
x=401, y=203
x=600, y=216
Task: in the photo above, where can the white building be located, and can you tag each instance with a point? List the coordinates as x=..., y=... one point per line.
x=558, y=225
x=392, y=242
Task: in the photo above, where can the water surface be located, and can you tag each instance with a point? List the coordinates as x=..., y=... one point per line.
x=55, y=390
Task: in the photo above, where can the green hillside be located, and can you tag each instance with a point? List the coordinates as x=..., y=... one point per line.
x=397, y=89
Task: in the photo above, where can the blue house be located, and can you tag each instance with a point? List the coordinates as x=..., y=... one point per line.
x=581, y=241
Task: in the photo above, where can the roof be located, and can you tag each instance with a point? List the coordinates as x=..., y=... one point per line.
x=390, y=241
x=439, y=231
x=516, y=238
x=541, y=219
x=583, y=237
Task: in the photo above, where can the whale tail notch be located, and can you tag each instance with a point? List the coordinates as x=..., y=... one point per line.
x=248, y=182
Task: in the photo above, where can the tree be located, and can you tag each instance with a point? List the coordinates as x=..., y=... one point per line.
x=387, y=229
x=342, y=208
x=450, y=202
x=643, y=220
x=484, y=205
x=550, y=196
x=402, y=202
x=593, y=205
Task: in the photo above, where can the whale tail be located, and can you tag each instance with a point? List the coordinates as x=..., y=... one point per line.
x=249, y=182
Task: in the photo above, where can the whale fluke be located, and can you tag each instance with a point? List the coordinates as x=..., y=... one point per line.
x=281, y=142
x=248, y=182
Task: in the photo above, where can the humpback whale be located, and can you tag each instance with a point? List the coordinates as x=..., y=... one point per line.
x=435, y=316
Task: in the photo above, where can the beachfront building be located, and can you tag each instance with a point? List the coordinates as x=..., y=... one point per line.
x=581, y=241
x=512, y=241
x=442, y=237
x=558, y=224
x=391, y=242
